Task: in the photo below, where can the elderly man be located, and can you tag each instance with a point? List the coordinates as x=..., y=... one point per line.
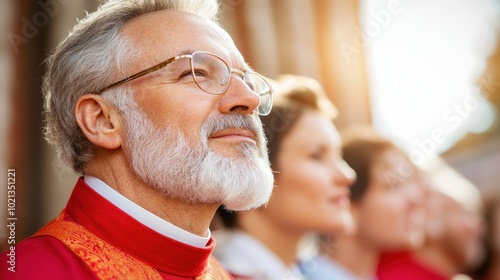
x=153, y=104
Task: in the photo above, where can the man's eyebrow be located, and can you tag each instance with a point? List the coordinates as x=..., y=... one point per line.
x=184, y=52
x=174, y=67
x=245, y=67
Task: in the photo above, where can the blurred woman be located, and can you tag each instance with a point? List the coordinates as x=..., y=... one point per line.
x=311, y=193
x=454, y=232
x=385, y=205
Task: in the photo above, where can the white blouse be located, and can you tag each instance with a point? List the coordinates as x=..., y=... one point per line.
x=241, y=254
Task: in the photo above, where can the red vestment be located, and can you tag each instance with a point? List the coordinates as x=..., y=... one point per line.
x=93, y=239
x=402, y=265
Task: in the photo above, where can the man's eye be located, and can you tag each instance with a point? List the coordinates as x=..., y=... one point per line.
x=185, y=74
x=200, y=73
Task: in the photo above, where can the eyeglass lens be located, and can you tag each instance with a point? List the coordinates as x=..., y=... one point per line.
x=212, y=75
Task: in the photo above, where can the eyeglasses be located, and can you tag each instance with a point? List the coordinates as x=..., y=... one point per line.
x=212, y=74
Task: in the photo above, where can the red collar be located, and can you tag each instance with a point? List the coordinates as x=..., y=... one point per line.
x=94, y=212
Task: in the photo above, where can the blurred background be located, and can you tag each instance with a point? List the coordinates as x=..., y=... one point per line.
x=424, y=73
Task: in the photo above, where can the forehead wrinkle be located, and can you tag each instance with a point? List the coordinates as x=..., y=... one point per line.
x=161, y=35
x=159, y=31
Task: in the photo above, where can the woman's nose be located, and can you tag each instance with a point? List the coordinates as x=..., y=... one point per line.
x=344, y=174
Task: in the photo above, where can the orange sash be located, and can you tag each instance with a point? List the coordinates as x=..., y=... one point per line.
x=108, y=262
x=105, y=260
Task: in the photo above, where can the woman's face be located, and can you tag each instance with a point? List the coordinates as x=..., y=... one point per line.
x=312, y=179
x=463, y=233
x=390, y=215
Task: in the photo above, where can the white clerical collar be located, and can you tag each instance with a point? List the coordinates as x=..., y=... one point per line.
x=145, y=217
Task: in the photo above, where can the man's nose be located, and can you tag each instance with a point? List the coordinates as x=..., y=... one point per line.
x=239, y=98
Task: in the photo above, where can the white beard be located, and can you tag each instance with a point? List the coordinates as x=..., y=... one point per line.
x=165, y=160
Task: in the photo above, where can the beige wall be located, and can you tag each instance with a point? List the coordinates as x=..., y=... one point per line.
x=303, y=38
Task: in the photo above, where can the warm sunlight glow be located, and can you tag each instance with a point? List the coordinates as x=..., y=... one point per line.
x=424, y=60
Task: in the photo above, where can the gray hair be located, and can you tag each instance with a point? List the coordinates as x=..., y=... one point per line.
x=90, y=58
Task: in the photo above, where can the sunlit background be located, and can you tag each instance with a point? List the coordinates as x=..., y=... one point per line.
x=425, y=61
x=425, y=73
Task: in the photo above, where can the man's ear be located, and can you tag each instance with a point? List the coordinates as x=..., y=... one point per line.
x=100, y=122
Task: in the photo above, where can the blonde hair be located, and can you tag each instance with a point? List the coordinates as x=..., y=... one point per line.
x=305, y=91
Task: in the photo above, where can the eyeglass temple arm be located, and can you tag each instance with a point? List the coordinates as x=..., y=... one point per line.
x=142, y=73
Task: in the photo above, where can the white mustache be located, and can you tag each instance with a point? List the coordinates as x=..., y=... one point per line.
x=219, y=122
